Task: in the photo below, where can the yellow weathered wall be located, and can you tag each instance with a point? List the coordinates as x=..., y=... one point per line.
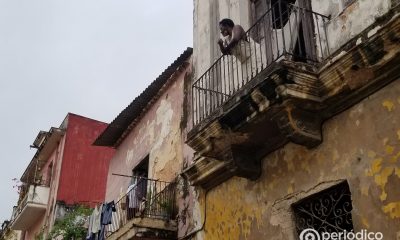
x=361, y=145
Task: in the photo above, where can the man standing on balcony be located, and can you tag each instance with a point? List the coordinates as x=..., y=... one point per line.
x=235, y=42
x=232, y=36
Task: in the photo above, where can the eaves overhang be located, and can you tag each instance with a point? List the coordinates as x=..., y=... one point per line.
x=117, y=130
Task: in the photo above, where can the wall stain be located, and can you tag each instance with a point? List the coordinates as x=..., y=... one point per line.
x=389, y=105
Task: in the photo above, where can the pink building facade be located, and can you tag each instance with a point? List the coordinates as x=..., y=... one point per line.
x=66, y=170
x=149, y=139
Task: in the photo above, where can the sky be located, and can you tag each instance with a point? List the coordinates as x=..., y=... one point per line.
x=89, y=57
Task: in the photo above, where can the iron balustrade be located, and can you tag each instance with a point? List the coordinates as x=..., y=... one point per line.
x=284, y=31
x=146, y=198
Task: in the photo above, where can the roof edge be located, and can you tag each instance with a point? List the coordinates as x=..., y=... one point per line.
x=116, y=129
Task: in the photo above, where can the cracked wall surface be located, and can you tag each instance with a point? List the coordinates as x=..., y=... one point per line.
x=360, y=145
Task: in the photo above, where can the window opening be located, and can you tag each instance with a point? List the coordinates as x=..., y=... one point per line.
x=326, y=211
x=137, y=191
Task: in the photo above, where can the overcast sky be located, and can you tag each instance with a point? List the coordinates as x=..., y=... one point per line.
x=89, y=57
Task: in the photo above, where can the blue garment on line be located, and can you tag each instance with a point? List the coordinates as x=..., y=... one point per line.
x=106, y=215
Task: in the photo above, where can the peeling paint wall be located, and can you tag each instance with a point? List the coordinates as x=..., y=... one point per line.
x=361, y=145
x=158, y=134
x=348, y=21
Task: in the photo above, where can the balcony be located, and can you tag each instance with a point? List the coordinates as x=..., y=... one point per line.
x=31, y=208
x=147, y=210
x=284, y=32
x=278, y=86
x=260, y=97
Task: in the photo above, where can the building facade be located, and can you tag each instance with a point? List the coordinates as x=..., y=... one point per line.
x=148, y=136
x=293, y=135
x=65, y=171
x=296, y=132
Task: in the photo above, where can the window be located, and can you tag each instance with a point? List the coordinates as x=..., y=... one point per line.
x=142, y=169
x=273, y=19
x=326, y=211
x=280, y=11
x=137, y=192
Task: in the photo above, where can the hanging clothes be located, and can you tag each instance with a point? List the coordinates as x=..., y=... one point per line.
x=131, y=194
x=89, y=235
x=131, y=200
x=106, y=218
x=107, y=211
x=141, y=190
x=96, y=224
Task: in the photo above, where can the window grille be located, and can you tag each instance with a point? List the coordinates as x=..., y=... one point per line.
x=326, y=211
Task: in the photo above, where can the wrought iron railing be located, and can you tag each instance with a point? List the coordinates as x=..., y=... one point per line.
x=285, y=31
x=146, y=198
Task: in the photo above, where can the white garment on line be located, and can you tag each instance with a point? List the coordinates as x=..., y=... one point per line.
x=132, y=195
x=96, y=223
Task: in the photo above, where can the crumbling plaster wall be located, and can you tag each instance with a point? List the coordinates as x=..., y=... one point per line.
x=157, y=134
x=360, y=145
x=346, y=22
